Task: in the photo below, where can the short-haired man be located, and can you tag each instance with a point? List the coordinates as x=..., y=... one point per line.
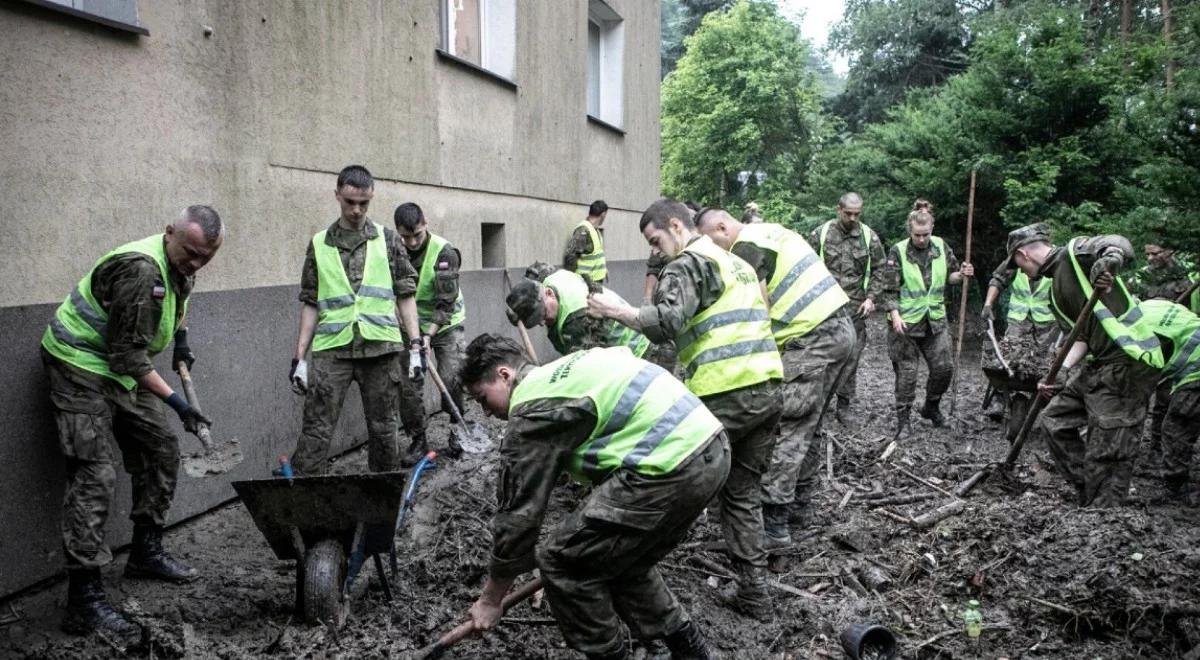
x=1109, y=393
x=584, y=253
x=1029, y=312
x=559, y=302
x=355, y=283
x=915, y=276
x=655, y=455
x=106, y=396
x=815, y=338
x=441, y=314
x=852, y=253
x=710, y=303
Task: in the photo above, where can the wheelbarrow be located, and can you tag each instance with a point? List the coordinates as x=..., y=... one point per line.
x=328, y=524
x=1018, y=389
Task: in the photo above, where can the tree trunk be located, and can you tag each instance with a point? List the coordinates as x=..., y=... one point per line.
x=1167, y=29
x=1126, y=20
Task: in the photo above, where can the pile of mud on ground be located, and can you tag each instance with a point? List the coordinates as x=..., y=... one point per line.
x=1053, y=580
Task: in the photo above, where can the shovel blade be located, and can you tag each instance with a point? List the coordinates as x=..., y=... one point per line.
x=223, y=458
x=474, y=440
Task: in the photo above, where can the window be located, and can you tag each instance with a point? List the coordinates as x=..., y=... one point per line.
x=606, y=61
x=482, y=33
x=492, y=245
x=120, y=14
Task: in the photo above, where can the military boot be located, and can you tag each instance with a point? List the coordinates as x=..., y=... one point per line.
x=148, y=559
x=932, y=411
x=88, y=609
x=775, y=525
x=903, y=423
x=750, y=597
x=622, y=652
x=1178, y=486
x=688, y=643
x=842, y=412
x=417, y=448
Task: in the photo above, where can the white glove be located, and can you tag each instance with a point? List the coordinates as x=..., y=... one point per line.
x=416, y=365
x=299, y=376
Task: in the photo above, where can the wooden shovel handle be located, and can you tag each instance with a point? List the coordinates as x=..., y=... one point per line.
x=189, y=391
x=466, y=628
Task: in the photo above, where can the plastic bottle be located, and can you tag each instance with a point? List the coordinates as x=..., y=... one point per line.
x=973, y=619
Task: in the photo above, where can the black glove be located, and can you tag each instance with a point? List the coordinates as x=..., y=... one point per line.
x=182, y=352
x=192, y=418
x=987, y=314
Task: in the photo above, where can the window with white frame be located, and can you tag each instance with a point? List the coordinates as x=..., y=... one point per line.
x=606, y=61
x=482, y=32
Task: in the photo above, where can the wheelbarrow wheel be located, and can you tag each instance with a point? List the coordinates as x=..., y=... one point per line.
x=323, y=575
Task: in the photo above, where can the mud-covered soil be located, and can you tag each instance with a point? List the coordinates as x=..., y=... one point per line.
x=1053, y=580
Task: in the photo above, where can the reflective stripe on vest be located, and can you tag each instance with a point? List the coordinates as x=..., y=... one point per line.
x=572, y=292
x=593, y=263
x=427, y=289
x=802, y=291
x=1182, y=327
x=866, y=235
x=729, y=345
x=916, y=299
x=78, y=334
x=1129, y=331
x=646, y=421
x=1027, y=304
x=372, y=309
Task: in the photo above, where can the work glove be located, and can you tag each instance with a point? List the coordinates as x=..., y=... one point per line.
x=416, y=361
x=182, y=353
x=987, y=314
x=192, y=418
x=1104, y=270
x=299, y=376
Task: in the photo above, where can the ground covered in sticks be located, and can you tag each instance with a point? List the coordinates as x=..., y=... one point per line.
x=1053, y=580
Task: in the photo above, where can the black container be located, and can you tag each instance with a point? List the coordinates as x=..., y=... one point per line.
x=861, y=637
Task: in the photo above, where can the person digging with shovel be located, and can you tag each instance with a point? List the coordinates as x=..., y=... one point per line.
x=106, y=396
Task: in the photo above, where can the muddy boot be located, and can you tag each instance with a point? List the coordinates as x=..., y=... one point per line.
x=775, y=526
x=688, y=643
x=800, y=513
x=903, y=424
x=453, y=446
x=842, y=412
x=417, y=448
x=1178, y=486
x=750, y=597
x=89, y=611
x=148, y=559
x=622, y=652
x=932, y=411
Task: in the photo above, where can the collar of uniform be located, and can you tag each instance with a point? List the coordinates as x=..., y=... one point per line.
x=853, y=231
x=1051, y=261
x=413, y=254
x=340, y=237
x=932, y=250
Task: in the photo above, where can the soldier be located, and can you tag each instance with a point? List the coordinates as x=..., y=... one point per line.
x=1028, y=305
x=815, y=337
x=711, y=304
x=585, y=249
x=1109, y=393
x=852, y=253
x=441, y=314
x=655, y=455
x=664, y=354
x=356, y=280
x=559, y=302
x=916, y=274
x=1181, y=424
x=107, y=395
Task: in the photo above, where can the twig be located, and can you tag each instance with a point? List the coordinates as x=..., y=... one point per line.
x=1054, y=606
x=893, y=515
x=927, y=520
x=957, y=631
x=924, y=482
x=845, y=499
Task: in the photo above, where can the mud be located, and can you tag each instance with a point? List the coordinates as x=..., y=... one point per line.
x=1054, y=580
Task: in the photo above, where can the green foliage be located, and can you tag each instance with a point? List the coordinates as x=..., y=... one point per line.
x=679, y=19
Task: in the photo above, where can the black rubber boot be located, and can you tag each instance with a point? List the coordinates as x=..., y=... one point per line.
x=750, y=597
x=932, y=411
x=417, y=449
x=148, y=559
x=688, y=643
x=89, y=611
x=775, y=525
x=903, y=423
x=842, y=412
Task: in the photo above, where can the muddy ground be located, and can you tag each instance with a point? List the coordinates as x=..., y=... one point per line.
x=1053, y=580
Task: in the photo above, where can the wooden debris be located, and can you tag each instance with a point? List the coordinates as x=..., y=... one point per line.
x=927, y=520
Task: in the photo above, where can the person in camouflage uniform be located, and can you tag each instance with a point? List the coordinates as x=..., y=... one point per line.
x=354, y=356
x=1109, y=393
x=923, y=333
x=655, y=456
x=107, y=397
x=664, y=354
x=853, y=253
x=441, y=314
x=584, y=253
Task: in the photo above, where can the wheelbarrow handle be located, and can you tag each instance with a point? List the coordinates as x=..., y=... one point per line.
x=466, y=628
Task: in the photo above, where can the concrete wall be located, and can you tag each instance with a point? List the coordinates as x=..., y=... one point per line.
x=104, y=136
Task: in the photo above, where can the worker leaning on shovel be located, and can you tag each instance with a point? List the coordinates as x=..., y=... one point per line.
x=656, y=456
x=107, y=395
x=1110, y=393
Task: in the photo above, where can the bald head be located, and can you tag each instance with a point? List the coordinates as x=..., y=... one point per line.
x=720, y=226
x=850, y=200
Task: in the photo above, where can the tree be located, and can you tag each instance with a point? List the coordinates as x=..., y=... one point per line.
x=740, y=113
x=679, y=19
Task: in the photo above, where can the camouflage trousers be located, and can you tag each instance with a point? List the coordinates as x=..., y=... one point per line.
x=328, y=383
x=1158, y=413
x=599, y=563
x=1110, y=400
x=449, y=349
x=812, y=367
x=906, y=353
x=1180, y=429
x=96, y=417
x=847, y=389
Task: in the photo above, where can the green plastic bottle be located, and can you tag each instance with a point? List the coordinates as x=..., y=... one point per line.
x=973, y=619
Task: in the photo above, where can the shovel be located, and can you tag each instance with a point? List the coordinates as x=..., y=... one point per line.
x=214, y=459
x=466, y=629
x=474, y=440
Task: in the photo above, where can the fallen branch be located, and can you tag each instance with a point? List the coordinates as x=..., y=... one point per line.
x=903, y=499
x=924, y=482
x=959, y=631
x=939, y=514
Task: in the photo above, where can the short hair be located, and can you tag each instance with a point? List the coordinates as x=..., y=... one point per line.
x=487, y=352
x=921, y=217
x=409, y=216
x=709, y=213
x=923, y=205
x=597, y=208
x=206, y=217
x=660, y=213
x=355, y=176
x=849, y=199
